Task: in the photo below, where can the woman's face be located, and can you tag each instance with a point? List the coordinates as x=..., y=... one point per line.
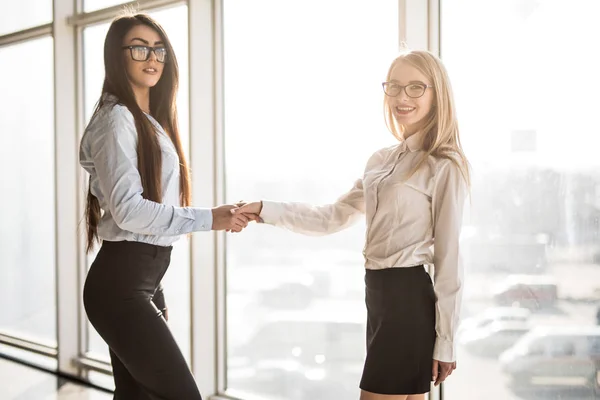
x=144, y=73
x=410, y=96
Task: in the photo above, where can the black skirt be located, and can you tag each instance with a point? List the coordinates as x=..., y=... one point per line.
x=400, y=331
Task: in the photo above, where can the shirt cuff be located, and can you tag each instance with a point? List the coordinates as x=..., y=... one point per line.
x=203, y=219
x=444, y=350
x=271, y=211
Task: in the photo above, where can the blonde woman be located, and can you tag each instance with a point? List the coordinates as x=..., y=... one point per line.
x=412, y=195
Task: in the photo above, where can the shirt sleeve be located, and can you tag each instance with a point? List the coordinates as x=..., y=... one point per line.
x=317, y=220
x=113, y=150
x=449, y=195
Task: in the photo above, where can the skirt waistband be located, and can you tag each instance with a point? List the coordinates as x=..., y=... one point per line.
x=138, y=247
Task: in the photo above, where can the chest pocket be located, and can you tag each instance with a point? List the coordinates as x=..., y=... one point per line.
x=418, y=187
x=414, y=194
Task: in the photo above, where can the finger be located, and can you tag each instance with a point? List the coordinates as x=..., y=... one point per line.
x=444, y=376
x=453, y=368
x=434, y=370
x=247, y=208
x=444, y=372
x=252, y=217
x=243, y=218
x=438, y=379
x=441, y=373
x=238, y=226
x=241, y=221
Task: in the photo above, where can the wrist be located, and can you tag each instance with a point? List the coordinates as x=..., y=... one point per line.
x=214, y=217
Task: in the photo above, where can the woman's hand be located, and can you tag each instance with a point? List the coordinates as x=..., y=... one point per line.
x=225, y=219
x=249, y=210
x=254, y=208
x=442, y=370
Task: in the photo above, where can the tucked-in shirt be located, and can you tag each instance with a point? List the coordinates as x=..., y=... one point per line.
x=108, y=152
x=405, y=217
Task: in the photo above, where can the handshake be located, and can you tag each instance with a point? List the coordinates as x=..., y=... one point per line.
x=234, y=218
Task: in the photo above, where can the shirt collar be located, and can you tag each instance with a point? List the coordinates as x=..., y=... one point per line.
x=413, y=143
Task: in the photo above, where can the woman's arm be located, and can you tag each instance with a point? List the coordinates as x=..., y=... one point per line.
x=449, y=195
x=310, y=219
x=112, y=146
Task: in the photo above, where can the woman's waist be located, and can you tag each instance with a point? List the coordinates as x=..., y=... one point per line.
x=395, y=255
x=128, y=269
x=109, y=230
x=136, y=248
x=371, y=265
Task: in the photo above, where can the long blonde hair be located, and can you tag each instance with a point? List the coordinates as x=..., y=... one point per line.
x=440, y=127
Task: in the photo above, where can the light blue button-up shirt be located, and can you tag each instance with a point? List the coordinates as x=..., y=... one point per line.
x=108, y=152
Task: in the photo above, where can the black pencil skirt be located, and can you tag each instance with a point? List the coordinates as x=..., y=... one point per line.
x=400, y=331
x=123, y=301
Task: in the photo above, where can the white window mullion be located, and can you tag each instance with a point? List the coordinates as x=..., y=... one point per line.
x=433, y=29
x=413, y=23
x=220, y=196
x=206, y=188
x=67, y=217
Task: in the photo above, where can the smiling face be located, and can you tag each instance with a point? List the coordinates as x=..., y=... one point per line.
x=403, y=96
x=143, y=74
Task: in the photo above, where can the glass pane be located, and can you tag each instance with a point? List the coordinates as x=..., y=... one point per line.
x=24, y=14
x=27, y=204
x=176, y=281
x=526, y=93
x=93, y=5
x=294, y=95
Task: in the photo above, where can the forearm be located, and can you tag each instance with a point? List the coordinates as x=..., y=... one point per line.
x=309, y=219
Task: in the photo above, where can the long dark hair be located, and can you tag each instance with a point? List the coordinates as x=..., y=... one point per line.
x=163, y=108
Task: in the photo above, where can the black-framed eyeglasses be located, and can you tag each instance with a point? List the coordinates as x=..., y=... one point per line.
x=142, y=53
x=414, y=90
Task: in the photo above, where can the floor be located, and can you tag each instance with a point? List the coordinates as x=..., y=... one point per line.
x=19, y=382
